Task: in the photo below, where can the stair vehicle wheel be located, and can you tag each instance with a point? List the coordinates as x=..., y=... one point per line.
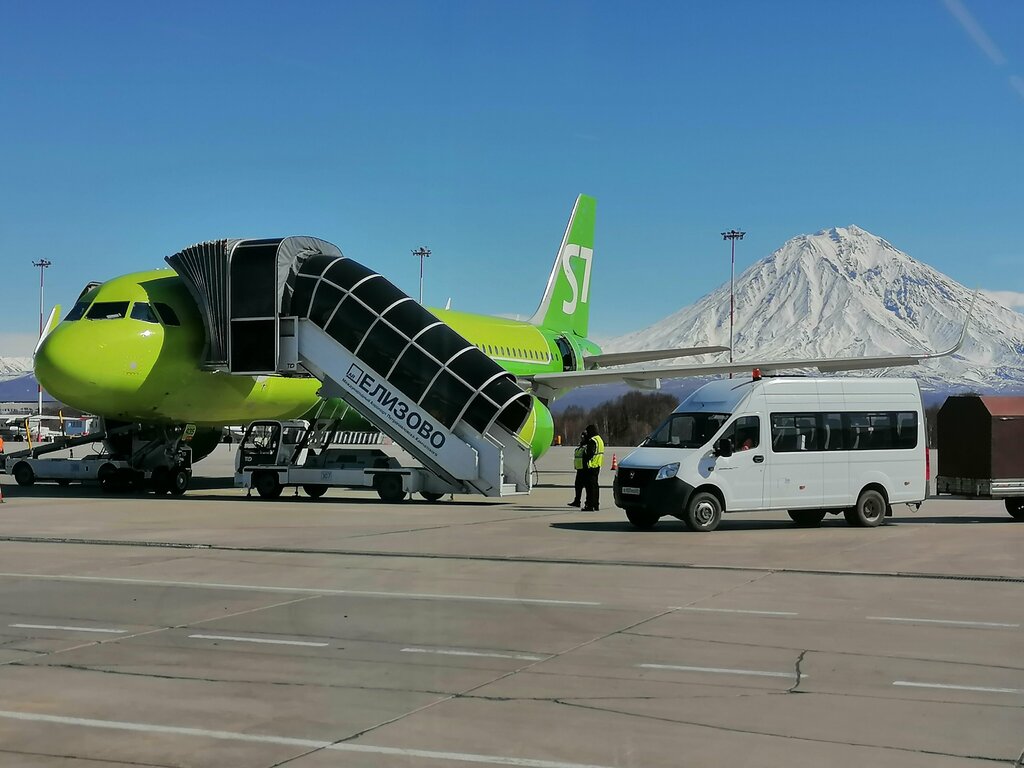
x=389, y=488
x=431, y=496
x=870, y=510
x=704, y=512
x=178, y=481
x=642, y=518
x=23, y=474
x=315, y=491
x=807, y=518
x=267, y=485
x=1015, y=507
x=108, y=479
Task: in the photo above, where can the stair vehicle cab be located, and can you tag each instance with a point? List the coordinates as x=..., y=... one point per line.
x=811, y=446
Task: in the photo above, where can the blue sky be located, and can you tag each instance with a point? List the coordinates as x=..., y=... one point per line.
x=131, y=130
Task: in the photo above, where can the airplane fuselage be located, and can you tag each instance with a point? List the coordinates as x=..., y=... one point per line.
x=132, y=350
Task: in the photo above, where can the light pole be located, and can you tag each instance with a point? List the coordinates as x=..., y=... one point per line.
x=422, y=253
x=733, y=235
x=42, y=264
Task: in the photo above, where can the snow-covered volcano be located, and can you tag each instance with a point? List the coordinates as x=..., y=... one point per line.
x=844, y=292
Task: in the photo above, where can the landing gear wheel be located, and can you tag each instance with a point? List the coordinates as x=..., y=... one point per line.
x=267, y=485
x=431, y=496
x=870, y=509
x=643, y=519
x=24, y=475
x=1015, y=507
x=807, y=518
x=178, y=481
x=389, y=488
x=315, y=491
x=704, y=512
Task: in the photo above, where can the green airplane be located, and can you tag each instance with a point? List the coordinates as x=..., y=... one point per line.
x=131, y=351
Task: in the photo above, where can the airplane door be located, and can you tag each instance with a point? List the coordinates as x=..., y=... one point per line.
x=741, y=476
x=568, y=353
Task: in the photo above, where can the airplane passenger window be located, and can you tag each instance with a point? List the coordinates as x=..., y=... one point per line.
x=107, y=310
x=166, y=314
x=142, y=311
x=77, y=311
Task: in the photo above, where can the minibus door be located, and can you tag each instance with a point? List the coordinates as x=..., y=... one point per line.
x=741, y=474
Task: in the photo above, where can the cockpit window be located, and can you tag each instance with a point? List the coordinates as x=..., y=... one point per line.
x=77, y=311
x=166, y=314
x=142, y=311
x=107, y=310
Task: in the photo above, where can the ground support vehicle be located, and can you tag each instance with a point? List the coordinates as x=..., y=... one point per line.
x=811, y=446
x=275, y=455
x=129, y=460
x=980, y=442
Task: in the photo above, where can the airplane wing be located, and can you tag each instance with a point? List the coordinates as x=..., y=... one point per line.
x=547, y=385
x=645, y=356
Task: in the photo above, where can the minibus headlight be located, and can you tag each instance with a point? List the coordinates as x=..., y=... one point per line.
x=669, y=470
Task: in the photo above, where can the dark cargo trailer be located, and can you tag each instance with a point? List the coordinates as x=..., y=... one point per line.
x=981, y=449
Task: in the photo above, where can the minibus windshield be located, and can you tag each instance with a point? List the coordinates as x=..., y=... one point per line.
x=686, y=430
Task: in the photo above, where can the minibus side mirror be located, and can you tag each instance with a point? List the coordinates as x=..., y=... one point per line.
x=723, y=447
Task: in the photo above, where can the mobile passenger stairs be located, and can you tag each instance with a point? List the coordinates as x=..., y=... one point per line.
x=296, y=306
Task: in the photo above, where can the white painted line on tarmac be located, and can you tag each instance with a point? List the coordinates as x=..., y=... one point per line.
x=424, y=754
x=259, y=640
x=907, y=684
x=295, y=590
x=720, y=670
x=944, y=621
x=736, y=610
x=447, y=652
x=70, y=629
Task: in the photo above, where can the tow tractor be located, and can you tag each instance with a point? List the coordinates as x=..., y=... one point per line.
x=275, y=455
x=162, y=463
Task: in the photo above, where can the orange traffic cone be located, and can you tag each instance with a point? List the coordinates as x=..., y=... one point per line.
x=615, y=462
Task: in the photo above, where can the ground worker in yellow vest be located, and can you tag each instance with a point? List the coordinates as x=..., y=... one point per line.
x=593, y=458
x=581, y=475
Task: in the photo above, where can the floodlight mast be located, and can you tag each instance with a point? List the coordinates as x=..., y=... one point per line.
x=732, y=235
x=422, y=253
x=42, y=264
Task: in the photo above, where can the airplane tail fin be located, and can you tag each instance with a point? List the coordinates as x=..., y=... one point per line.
x=565, y=305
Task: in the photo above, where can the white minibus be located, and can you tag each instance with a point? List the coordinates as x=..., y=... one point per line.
x=810, y=446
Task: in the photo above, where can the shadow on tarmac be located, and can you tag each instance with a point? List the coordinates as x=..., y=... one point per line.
x=737, y=524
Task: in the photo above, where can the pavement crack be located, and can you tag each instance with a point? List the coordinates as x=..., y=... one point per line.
x=233, y=681
x=753, y=732
x=103, y=761
x=798, y=672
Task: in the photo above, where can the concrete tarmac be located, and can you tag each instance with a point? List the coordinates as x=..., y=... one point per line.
x=215, y=630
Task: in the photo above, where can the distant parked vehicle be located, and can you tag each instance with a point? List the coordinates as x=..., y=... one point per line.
x=981, y=450
x=811, y=446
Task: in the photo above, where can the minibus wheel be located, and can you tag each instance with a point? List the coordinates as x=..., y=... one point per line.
x=704, y=512
x=1015, y=507
x=641, y=518
x=870, y=509
x=807, y=518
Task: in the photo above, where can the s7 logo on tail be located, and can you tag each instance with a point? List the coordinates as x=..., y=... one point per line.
x=570, y=250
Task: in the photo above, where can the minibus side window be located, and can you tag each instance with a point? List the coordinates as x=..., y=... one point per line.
x=745, y=433
x=906, y=429
x=832, y=432
x=792, y=432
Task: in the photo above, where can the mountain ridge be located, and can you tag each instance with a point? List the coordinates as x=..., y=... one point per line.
x=845, y=292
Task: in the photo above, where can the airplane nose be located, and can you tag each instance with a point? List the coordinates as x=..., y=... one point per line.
x=80, y=364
